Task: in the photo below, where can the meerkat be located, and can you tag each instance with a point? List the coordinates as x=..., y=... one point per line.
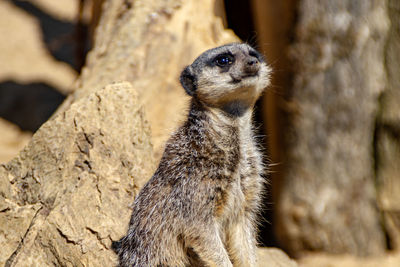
x=200, y=206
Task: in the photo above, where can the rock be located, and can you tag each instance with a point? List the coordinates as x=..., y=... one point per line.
x=328, y=200
x=67, y=195
x=274, y=257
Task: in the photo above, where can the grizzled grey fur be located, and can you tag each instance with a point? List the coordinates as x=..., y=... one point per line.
x=200, y=207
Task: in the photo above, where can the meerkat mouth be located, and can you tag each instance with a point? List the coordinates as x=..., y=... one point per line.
x=239, y=79
x=250, y=75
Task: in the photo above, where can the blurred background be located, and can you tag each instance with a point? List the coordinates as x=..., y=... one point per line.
x=330, y=121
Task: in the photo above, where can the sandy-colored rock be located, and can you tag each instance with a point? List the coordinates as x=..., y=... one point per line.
x=328, y=200
x=67, y=194
x=274, y=257
x=148, y=43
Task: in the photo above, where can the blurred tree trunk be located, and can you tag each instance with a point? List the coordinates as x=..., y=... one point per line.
x=328, y=199
x=388, y=133
x=274, y=40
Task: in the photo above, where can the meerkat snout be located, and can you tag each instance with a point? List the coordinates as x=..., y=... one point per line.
x=252, y=61
x=252, y=67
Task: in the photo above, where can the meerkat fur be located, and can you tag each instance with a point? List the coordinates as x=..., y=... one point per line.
x=200, y=207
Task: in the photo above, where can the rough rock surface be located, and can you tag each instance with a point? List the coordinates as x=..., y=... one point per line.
x=388, y=133
x=67, y=194
x=328, y=200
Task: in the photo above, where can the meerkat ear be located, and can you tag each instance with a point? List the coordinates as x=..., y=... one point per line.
x=188, y=80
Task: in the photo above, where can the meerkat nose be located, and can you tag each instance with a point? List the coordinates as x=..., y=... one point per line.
x=252, y=61
x=252, y=67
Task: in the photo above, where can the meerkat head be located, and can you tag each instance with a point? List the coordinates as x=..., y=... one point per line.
x=231, y=77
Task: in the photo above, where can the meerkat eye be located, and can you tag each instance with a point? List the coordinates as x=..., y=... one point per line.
x=223, y=60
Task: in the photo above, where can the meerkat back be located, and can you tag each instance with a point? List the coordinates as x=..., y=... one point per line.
x=200, y=206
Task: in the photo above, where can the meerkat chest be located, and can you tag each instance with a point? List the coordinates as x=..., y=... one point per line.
x=249, y=173
x=240, y=179
x=250, y=164
x=246, y=184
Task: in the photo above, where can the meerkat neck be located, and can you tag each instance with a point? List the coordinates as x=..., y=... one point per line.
x=227, y=115
x=237, y=108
